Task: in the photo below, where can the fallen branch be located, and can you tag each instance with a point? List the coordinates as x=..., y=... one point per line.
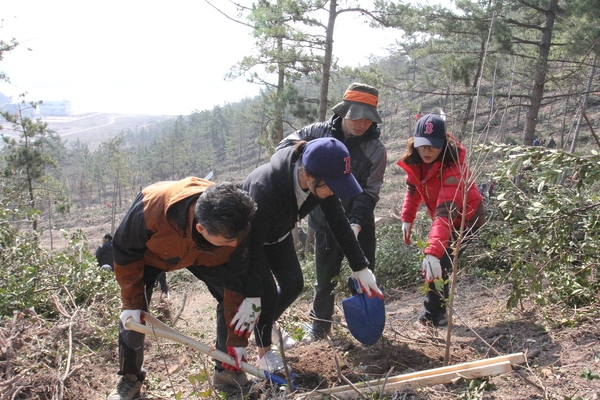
x=355, y=390
x=70, y=354
x=176, y=317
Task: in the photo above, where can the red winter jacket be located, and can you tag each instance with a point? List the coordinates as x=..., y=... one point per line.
x=441, y=188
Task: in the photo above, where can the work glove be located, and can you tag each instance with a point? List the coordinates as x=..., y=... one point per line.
x=355, y=229
x=432, y=269
x=244, y=320
x=239, y=354
x=367, y=282
x=135, y=314
x=406, y=228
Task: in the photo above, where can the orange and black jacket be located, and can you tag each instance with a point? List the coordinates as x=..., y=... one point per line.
x=159, y=231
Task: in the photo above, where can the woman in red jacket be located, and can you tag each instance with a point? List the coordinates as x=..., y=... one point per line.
x=437, y=175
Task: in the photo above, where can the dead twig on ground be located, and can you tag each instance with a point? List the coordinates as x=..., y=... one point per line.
x=342, y=377
x=176, y=317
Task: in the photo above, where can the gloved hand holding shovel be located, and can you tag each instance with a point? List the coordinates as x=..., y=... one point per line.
x=136, y=315
x=367, y=282
x=239, y=354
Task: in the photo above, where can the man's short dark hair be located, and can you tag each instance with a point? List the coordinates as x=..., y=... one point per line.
x=108, y=236
x=225, y=209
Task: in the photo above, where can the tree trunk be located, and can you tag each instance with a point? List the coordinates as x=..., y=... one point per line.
x=583, y=104
x=280, y=102
x=327, y=61
x=467, y=115
x=541, y=69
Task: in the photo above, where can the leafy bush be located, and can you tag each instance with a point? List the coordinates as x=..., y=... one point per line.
x=36, y=278
x=396, y=265
x=548, y=225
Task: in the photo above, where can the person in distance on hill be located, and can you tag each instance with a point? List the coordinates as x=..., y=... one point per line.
x=201, y=226
x=354, y=123
x=295, y=181
x=436, y=175
x=104, y=253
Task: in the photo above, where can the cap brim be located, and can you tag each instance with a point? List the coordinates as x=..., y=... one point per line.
x=433, y=142
x=344, y=188
x=353, y=110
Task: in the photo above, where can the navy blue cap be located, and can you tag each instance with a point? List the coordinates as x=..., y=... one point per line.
x=329, y=159
x=430, y=131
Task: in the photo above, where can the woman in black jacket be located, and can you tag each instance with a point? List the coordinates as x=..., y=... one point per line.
x=293, y=183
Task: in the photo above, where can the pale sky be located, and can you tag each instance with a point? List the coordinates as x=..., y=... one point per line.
x=146, y=57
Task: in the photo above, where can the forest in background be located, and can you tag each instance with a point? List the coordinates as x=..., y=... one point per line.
x=503, y=72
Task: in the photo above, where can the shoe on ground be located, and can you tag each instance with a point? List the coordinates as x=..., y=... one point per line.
x=226, y=379
x=128, y=388
x=288, y=341
x=310, y=336
x=427, y=319
x=271, y=362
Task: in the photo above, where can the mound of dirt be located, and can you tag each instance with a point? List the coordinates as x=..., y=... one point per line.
x=558, y=357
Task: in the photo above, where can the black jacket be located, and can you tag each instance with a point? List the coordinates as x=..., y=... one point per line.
x=104, y=254
x=369, y=157
x=272, y=188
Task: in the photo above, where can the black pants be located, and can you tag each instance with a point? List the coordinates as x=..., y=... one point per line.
x=436, y=299
x=131, y=343
x=278, y=296
x=328, y=262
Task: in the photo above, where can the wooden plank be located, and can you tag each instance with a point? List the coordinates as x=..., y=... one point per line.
x=430, y=380
x=421, y=377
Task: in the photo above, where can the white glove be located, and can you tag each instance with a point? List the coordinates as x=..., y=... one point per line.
x=239, y=354
x=432, y=269
x=106, y=266
x=406, y=228
x=244, y=320
x=367, y=282
x=355, y=229
x=135, y=314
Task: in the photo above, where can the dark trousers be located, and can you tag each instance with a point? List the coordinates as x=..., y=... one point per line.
x=131, y=343
x=162, y=281
x=437, y=298
x=161, y=278
x=278, y=295
x=328, y=262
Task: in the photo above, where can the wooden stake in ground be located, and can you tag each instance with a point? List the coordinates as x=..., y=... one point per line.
x=470, y=370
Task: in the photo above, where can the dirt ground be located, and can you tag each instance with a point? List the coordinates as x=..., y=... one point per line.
x=484, y=328
x=561, y=356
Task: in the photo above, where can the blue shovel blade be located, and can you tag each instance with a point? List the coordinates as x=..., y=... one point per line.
x=365, y=317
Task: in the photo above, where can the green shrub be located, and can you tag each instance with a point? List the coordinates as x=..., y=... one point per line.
x=396, y=264
x=34, y=276
x=548, y=232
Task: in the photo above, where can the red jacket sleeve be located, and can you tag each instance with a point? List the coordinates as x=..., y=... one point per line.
x=412, y=201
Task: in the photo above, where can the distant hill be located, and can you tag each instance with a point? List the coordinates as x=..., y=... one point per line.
x=94, y=128
x=4, y=100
